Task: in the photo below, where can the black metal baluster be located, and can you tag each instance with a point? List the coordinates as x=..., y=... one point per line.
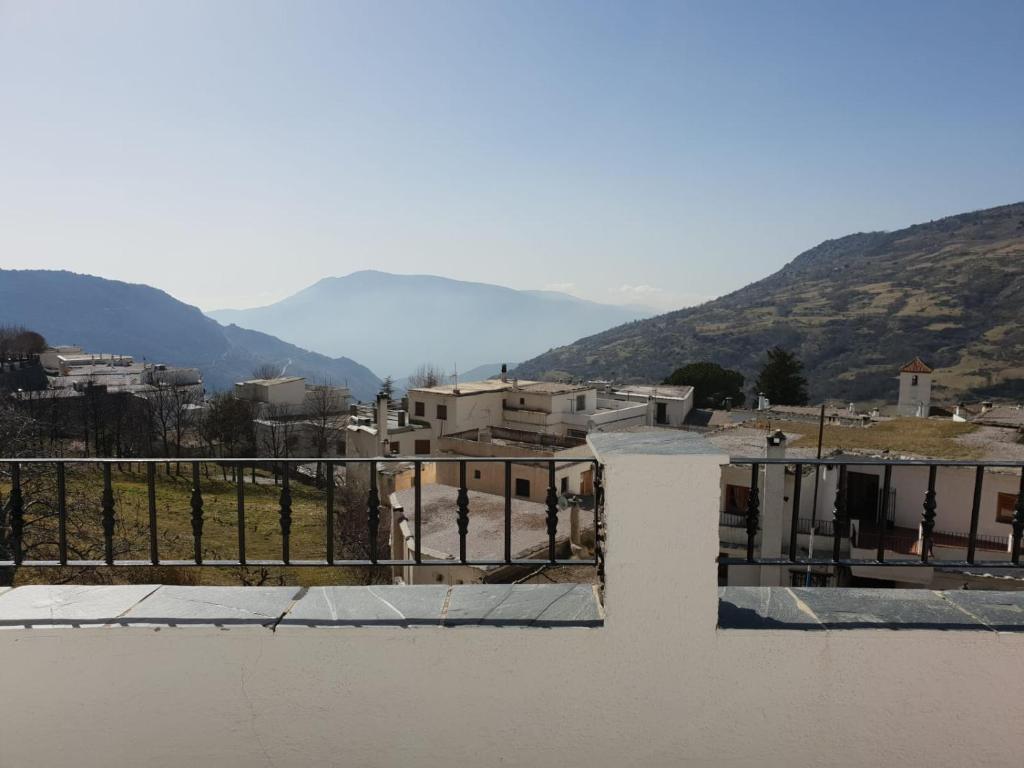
x=972, y=536
x=373, y=512
x=928, y=516
x=240, y=509
x=508, y=511
x=417, y=511
x=329, y=480
x=62, y=514
x=197, y=515
x=795, y=522
x=598, y=522
x=753, y=511
x=286, y=516
x=882, y=520
x=839, y=519
x=1018, y=523
x=17, y=515
x=552, y=515
x=462, y=506
x=107, y=505
x=154, y=551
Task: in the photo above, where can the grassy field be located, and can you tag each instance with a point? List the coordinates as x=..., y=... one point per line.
x=922, y=437
x=174, y=529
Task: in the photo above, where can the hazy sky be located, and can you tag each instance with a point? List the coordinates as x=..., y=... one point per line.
x=232, y=153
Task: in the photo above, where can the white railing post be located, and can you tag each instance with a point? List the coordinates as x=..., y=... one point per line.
x=662, y=495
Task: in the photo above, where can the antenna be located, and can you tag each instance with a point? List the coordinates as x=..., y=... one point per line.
x=455, y=376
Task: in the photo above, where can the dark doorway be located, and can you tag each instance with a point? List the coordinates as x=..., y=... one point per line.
x=661, y=413
x=862, y=496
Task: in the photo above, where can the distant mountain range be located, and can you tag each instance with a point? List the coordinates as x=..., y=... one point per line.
x=111, y=316
x=392, y=323
x=854, y=310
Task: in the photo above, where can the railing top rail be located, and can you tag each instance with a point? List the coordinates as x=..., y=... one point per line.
x=875, y=462
x=302, y=460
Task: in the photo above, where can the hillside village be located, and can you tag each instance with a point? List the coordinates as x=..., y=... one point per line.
x=89, y=403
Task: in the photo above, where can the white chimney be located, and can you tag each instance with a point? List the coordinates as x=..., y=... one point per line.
x=504, y=373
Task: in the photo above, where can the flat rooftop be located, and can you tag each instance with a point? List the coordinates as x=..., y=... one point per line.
x=486, y=537
x=496, y=385
x=465, y=388
x=518, y=438
x=667, y=392
x=271, y=382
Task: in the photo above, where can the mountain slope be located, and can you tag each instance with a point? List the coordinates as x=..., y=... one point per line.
x=854, y=309
x=111, y=316
x=394, y=322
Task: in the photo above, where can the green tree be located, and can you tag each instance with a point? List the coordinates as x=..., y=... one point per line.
x=712, y=384
x=388, y=387
x=781, y=379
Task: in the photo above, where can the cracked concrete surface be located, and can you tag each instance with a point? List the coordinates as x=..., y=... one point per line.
x=274, y=608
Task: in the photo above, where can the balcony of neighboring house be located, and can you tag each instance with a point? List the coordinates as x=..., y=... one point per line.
x=630, y=618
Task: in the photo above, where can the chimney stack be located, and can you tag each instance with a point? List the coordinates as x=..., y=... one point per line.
x=504, y=372
x=382, y=423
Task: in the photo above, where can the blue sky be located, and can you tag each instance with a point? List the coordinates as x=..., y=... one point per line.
x=232, y=153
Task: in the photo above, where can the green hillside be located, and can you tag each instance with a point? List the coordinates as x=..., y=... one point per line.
x=854, y=309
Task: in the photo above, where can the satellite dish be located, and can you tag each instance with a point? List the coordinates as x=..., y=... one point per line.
x=563, y=502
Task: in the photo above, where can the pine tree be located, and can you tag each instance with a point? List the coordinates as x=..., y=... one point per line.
x=781, y=379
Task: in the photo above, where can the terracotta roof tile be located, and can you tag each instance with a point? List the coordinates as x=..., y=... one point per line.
x=917, y=365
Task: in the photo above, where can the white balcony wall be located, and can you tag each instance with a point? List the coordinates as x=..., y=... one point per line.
x=657, y=685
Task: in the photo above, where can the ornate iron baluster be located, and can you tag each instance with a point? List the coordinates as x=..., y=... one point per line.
x=286, y=517
x=794, y=522
x=240, y=504
x=753, y=511
x=17, y=514
x=154, y=551
x=552, y=515
x=928, y=516
x=1018, y=523
x=882, y=519
x=329, y=481
x=197, y=515
x=508, y=512
x=599, y=542
x=462, y=515
x=418, y=511
x=107, y=505
x=839, y=519
x=972, y=536
x=373, y=512
x=62, y=514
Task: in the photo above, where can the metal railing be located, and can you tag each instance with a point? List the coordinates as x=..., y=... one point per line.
x=13, y=524
x=930, y=506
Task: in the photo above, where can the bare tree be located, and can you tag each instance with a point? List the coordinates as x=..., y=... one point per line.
x=276, y=434
x=19, y=437
x=266, y=371
x=226, y=427
x=352, y=530
x=426, y=375
x=171, y=407
x=18, y=340
x=324, y=408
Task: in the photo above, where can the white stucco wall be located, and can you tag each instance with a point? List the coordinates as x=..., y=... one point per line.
x=911, y=395
x=658, y=685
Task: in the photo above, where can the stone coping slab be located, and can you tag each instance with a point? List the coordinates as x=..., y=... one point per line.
x=840, y=609
x=154, y=606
